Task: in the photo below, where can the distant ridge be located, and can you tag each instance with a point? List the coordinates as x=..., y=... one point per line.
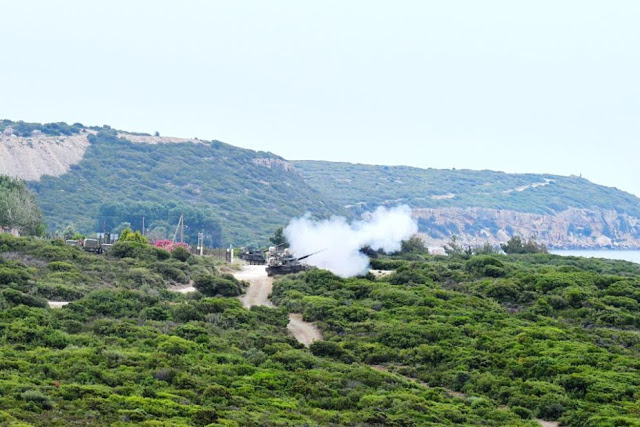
x=100, y=178
x=481, y=206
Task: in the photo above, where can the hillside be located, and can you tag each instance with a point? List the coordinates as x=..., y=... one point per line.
x=482, y=206
x=235, y=195
x=100, y=179
x=484, y=340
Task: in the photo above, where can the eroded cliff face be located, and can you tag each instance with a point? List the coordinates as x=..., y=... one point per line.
x=273, y=163
x=31, y=157
x=572, y=228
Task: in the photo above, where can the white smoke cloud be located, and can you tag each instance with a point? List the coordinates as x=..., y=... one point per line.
x=382, y=229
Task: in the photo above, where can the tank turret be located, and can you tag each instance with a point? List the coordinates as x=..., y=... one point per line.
x=286, y=263
x=252, y=256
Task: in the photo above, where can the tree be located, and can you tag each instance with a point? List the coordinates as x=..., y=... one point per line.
x=69, y=232
x=414, y=245
x=129, y=236
x=453, y=248
x=515, y=245
x=18, y=208
x=279, y=239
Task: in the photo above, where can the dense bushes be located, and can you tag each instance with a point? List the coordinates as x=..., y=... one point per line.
x=521, y=331
x=542, y=340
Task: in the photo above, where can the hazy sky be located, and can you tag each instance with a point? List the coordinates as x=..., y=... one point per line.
x=520, y=86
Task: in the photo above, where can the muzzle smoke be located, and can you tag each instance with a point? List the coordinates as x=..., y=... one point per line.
x=382, y=229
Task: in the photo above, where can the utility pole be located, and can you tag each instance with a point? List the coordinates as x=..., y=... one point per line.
x=179, y=228
x=143, y=225
x=201, y=243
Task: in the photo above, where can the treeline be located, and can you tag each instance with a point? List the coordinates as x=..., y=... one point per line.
x=25, y=129
x=248, y=199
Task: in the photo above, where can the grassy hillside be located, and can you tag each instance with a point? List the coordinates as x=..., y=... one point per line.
x=486, y=340
x=234, y=195
x=351, y=184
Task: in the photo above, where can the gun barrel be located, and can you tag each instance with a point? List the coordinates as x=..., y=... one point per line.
x=307, y=256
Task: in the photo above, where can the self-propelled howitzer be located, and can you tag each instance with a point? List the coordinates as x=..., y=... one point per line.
x=253, y=256
x=279, y=263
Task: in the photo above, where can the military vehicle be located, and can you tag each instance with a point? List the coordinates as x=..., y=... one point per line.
x=92, y=245
x=284, y=262
x=97, y=246
x=252, y=256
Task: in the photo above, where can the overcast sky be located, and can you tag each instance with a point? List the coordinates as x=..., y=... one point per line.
x=519, y=86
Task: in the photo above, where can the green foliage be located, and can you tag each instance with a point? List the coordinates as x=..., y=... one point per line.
x=364, y=186
x=129, y=236
x=24, y=129
x=18, y=208
x=485, y=265
x=528, y=332
x=231, y=193
x=438, y=342
x=278, y=239
x=413, y=245
x=180, y=254
x=211, y=285
x=515, y=245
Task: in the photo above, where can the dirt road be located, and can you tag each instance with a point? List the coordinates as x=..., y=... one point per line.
x=304, y=332
x=260, y=286
x=57, y=304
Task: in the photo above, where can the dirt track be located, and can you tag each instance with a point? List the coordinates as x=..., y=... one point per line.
x=304, y=332
x=57, y=304
x=260, y=286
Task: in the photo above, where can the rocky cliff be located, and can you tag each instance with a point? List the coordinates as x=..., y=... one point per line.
x=487, y=206
x=571, y=228
x=31, y=157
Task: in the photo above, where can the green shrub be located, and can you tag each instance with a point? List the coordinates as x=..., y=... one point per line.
x=180, y=254
x=176, y=345
x=211, y=285
x=204, y=417
x=522, y=412
x=485, y=265
x=61, y=266
x=327, y=349
x=38, y=398
x=16, y=297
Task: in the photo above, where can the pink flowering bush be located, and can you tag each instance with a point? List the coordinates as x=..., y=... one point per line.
x=169, y=246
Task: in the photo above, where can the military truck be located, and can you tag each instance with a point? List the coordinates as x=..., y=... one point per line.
x=96, y=246
x=92, y=245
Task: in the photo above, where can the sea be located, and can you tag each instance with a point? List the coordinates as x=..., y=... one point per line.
x=627, y=255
